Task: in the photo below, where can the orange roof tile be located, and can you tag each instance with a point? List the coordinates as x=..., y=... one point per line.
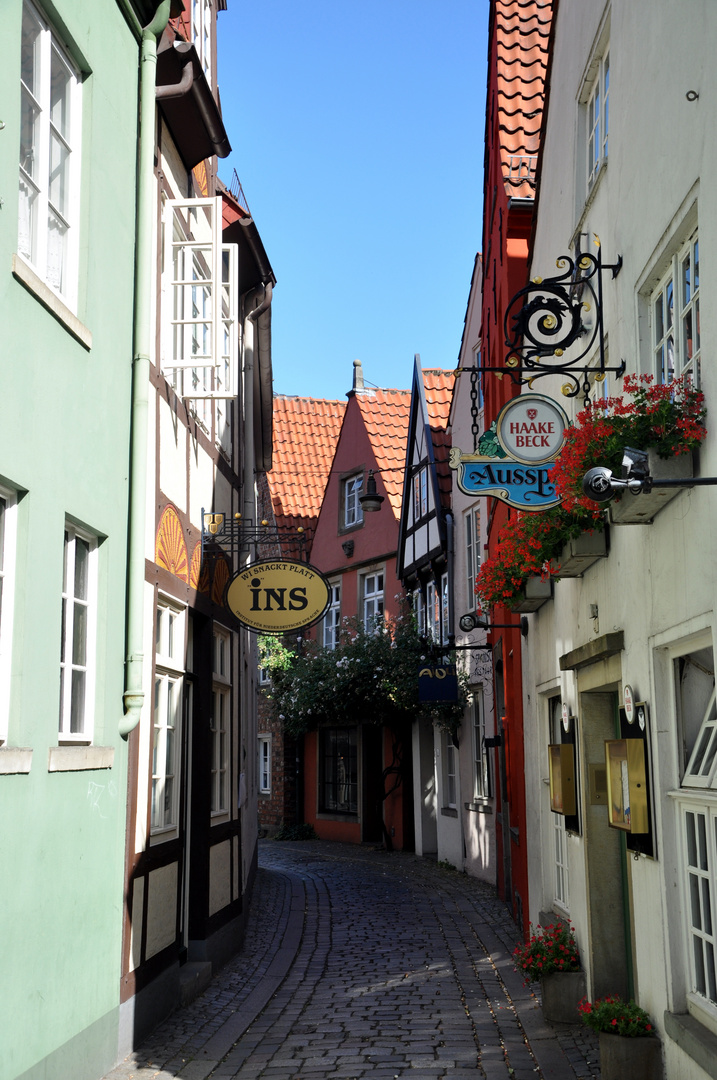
x=438, y=386
x=522, y=29
x=385, y=415
x=306, y=431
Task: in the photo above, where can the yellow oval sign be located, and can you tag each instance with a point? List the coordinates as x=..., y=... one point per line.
x=277, y=596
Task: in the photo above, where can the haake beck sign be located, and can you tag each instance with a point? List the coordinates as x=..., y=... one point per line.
x=516, y=454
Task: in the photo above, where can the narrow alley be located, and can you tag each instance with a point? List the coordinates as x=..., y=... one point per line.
x=361, y=963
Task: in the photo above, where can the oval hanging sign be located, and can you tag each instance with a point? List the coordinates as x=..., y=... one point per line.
x=277, y=596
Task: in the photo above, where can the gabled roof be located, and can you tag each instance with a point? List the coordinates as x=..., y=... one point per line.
x=521, y=33
x=438, y=386
x=385, y=416
x=306, y=431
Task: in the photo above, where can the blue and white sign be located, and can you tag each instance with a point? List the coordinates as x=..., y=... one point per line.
x=516, y=454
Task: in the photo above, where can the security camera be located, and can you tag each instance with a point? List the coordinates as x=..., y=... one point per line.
x=598, y=484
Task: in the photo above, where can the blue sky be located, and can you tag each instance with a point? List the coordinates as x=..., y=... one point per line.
x=357, y=134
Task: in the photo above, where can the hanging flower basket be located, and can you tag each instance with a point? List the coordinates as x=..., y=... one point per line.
x=641, y=509
x=536, y=590
x=579, y=554
x=665, y=419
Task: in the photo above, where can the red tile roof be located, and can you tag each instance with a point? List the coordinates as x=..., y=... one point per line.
x=438, y=386
x=385, y=415
x=522, y=29
x=306, y=431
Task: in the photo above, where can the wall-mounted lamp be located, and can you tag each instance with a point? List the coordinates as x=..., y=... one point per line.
x=472, y=621
x=371, y=501
x=601, y=486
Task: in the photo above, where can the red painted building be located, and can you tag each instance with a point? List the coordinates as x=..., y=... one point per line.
x=344, y=768
x=517, y=58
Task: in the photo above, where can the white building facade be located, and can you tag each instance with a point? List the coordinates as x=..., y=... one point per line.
x=628, y=157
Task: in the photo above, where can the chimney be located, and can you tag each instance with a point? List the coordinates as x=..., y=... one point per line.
x=358, y=375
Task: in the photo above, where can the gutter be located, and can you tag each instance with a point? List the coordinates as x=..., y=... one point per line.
x=134, y=665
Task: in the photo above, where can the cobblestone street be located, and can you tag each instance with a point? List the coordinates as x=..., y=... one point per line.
x=359, y=963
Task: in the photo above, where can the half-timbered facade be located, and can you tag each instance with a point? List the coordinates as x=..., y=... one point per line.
x=425, y=568
x=191, y=849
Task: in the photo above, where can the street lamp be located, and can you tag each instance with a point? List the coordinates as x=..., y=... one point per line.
x=601, y=486
x=472, y=621
x=371, y=501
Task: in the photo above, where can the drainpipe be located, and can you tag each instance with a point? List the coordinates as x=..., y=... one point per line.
x=249, y=454
x=134, y=694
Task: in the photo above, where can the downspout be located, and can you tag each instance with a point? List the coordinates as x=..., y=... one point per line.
x=134, y=694
x=248, y=505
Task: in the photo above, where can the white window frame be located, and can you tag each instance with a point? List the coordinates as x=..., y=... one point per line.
x=472, y=530
x=450, y=772
x=445, y=609
x=201, y=22
x=372, y=600
x=481, y=764
x=352, y=514
x=597, y=120
x=53, y=190
x=200, y=337
x=220, y=721
x=697, y=798
x=420, y=493
x=674, y=314
x=561, y=874
x=8, y=550
x=265, y=764
x=167, y=708
x=332, y=618
x=419, y=607
x=71, y=664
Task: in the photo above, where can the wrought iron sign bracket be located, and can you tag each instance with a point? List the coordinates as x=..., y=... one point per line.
x=234, y=536
x=549, y=316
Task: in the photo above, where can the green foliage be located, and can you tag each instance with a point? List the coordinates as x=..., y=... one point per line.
x=615, y=1016
x=296, y=832
x=550, y=948
x=370, y=677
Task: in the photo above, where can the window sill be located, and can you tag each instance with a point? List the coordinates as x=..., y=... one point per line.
x=449, y=811
x=694, y=1039
x=479, y=806
x=79, y=758
x=349, y=816
x=15, y=759
x=50, y=300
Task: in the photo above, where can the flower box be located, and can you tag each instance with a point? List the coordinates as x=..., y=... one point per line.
x=537, y=591
x=641, y=509
x=622, y=1057
x=579, y=554
x=560, y=993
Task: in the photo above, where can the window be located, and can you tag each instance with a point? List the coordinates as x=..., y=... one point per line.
x=675, y=311
x=473, y=551
x=437, y=610
x=352, y=510
x=202, y=34
x=560, y=849
x=420, y=493
x=338, y=770
x=694, y=677
x=598, y=111
x=79, y=624
x=199, y=340
x=332, y=619
x=481, y=768
x=220, y=720
x=419, y=608
x=265, y=764
x=8, y=508
x=49, y=156
x=449, y=772
x=168, y=688
x=373, y=601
